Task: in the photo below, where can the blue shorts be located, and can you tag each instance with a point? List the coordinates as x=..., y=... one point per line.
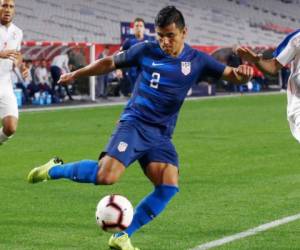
x=135, y=140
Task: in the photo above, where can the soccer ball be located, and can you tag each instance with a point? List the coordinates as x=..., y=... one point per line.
x=114, y=213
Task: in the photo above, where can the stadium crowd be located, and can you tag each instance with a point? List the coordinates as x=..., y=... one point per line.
x=40, y=87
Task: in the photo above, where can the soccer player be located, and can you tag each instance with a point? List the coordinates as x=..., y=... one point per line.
x=169, y=67
x=288, y=51
x=132, y=73
x=139, y=34
x=10, y=57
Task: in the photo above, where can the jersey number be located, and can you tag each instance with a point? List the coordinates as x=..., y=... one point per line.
x=155, y=80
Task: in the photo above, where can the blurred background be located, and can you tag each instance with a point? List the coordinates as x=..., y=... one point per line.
x=82, y=30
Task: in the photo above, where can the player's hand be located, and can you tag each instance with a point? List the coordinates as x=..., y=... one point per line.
x=24, y=71
x=10, y=54
x=67, y=78
x=247, y=54
x=244, y=73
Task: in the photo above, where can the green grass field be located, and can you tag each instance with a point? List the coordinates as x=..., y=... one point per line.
x=238, y=169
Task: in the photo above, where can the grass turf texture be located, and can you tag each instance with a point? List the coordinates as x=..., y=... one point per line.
x=238, y=169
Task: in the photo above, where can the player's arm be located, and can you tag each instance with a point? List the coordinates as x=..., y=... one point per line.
x=218, y=70
x=22, y=66
x=9, y=54
x=241, y=74
x=99, y=67
x=268, y=66
x=105, y=65
x=18, y=61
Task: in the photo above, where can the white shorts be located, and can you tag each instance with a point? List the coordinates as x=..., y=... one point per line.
x=8, y=104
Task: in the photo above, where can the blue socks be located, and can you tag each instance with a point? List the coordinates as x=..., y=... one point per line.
x=151, y=206
x=82, y=171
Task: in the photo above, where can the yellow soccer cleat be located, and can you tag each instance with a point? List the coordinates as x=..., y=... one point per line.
x=121, y=243
x=40, y=173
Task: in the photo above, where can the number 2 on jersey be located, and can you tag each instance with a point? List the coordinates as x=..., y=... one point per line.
x=155, y=80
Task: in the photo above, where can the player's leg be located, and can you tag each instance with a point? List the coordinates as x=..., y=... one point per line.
x=160, y=166
x=9, y=115
x=9, y=127
x=10, y=124
x=118, y=155
x=164, y=176
x=105, y=172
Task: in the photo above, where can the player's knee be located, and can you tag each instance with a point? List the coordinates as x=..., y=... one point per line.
x=104, y=179
x=110, y=171
x=10, y=129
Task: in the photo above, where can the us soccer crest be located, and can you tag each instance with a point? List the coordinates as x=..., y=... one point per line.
x=122, y=146
x=186, y=68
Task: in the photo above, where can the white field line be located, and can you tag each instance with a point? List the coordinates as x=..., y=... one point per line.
x=119, y=103
x=247, y=233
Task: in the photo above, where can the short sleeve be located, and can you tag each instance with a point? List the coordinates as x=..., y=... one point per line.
x=126, y=45
x=130, y=57
x=212, y=67
x=287, y=49
x=286, y=54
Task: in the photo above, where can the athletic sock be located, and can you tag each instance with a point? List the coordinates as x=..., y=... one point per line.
x=151, y=206
x=3, y=136
x=82, y=171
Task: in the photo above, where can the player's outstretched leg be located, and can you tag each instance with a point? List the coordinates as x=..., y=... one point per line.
x=84, y=171
x=150, y=207
x=41, y=173
x=121, y=243
x=9, y=128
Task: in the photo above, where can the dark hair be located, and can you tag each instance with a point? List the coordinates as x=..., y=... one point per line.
x=138, y=19
x=169, y=15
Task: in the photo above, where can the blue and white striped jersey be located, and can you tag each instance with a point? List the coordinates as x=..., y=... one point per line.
x=287, y=49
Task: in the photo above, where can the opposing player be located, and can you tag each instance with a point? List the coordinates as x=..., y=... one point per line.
x=132, y=73
x=169, y=67
x=10, y=57
x=288, y=51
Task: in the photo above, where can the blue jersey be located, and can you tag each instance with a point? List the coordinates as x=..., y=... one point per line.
x=133, y=72
x=128, y=43
x=163, y=82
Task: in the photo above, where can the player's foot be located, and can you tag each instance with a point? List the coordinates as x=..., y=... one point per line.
x=121, y=242
x=41, y=173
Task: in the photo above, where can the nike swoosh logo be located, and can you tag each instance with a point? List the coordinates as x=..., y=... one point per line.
x=157, y=64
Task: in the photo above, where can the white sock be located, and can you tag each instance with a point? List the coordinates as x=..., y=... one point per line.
x=3, y=137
